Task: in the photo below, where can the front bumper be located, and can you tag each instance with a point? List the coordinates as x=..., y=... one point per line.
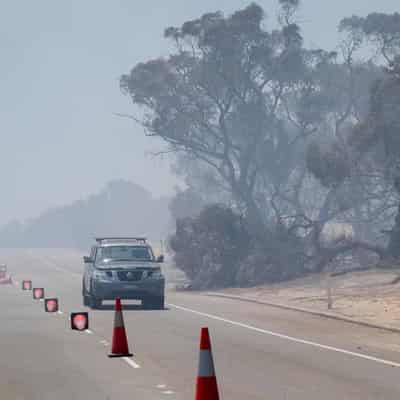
x=137, y=290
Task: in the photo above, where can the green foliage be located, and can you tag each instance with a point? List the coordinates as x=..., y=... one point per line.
x=382, y=30
x=121, y=208
x=328, y=164
x=186, y=203
x=224, y=98
x=215, y=249
x=210, y=247
x=277, y=256
x=379, y=133
x=288, y=10
x=253, y=115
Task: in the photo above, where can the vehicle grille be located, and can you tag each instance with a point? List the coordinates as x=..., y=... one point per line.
x=130, y=275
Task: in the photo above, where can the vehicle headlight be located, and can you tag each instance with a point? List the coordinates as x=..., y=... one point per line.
x=104, y=276
x=156, y=274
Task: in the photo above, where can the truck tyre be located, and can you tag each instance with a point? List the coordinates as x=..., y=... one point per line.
x=154, y=303
x=94, y=302
x=85, y=297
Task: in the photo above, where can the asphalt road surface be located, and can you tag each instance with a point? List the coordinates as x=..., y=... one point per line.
x=260, y=352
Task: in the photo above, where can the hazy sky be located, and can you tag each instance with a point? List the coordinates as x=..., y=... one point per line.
x=59, y=72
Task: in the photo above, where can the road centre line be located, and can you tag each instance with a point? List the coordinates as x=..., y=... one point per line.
x=289, y=338
x=129, y=361
x=270, y=333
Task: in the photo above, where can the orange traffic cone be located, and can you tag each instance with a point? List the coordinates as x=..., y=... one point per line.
x=206, y=387
x=119, y=342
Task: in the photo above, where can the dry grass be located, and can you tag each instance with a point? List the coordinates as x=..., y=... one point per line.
x=370, y=295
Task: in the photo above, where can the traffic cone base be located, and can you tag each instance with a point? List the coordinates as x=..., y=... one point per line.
x=207, y=388
x=111, y=355
x=119, y=337
x=120, y=355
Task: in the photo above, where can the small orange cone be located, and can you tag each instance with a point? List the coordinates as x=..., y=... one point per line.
x=119, y=342
x=206, y=387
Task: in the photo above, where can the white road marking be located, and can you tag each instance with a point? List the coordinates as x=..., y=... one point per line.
x=168, y=392
x=60, y=312
x=54, y=265
x=161, y=386
x=130, y=362
x=290, y=338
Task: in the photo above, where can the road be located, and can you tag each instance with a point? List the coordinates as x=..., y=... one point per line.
x=260, y=352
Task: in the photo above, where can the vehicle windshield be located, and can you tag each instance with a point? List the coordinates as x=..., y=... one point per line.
x=124, y=253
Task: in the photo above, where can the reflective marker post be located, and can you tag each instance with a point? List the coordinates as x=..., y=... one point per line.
x=51, y=305
x=38, y=293
x=26, y=285
x=3, y=271
x=79, y=321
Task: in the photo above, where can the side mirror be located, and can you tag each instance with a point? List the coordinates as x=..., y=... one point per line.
x=160, y=259
x=87, y=260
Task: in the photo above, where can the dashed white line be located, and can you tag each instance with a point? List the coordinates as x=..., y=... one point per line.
x=60, y=312
x=161, y=386
x=289, y=338
x=168, y=392
x=130, y=362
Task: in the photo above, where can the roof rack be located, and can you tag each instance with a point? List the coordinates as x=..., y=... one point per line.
x=119, y=239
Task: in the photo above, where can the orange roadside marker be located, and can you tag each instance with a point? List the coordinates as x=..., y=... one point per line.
x=119, y=341
x=206, y=385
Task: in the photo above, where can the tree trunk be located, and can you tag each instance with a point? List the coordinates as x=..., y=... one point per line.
x=254, y=215
x=394, y=243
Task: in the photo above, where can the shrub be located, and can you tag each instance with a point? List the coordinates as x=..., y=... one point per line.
x=209, y=247
x=215, y=249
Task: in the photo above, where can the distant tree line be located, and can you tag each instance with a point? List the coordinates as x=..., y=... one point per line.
x=275, y=141
x=121, y=208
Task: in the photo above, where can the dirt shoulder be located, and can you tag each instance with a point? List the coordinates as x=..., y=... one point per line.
x=367, y=296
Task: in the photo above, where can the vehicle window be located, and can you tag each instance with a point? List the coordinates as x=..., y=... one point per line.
x=124, y=253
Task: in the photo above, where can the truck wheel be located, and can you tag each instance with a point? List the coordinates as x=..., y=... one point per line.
x=86, y=300
x=159, y=303
x=154, y=303
x=94, y=302
x=85, y=297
